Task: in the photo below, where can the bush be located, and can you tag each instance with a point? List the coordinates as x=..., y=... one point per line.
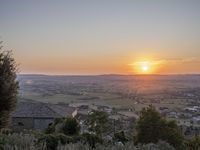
x=49, y=140
x=91, y=139
x=159, y=146
x=70, y=127
x=53, y=142
x=50, y=129
x=193, y=143
x=19, y=142
x=120, y=137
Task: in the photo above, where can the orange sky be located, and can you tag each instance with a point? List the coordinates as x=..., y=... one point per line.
x=102, y=37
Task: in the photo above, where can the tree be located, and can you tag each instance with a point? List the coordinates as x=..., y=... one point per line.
x=152, y=127
x=193, y=144
x=50, y=129
x=120, y=137
x=98, y=123
x=70, y=127
x=92, y=139
x=8, y=86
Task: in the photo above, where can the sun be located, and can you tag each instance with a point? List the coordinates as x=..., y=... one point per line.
x=145, y=68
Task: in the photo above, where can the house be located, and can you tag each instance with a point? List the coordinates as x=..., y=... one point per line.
x=37, y=116
x=105, y=109
x=173, y=114
x=193, y=109
x=196, y=119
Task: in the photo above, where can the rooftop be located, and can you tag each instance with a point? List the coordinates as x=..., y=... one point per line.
x=41, y=110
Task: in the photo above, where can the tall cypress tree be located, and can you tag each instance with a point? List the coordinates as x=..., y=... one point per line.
x=8, y=86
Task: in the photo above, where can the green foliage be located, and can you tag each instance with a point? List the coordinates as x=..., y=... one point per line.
x=71, y=127
x=152, y=127
x=193, y=144
x=120, y=137
x=161, y=145
x=53, y=142
x=68, y=133
x=8, y=87
x=6, y=131
x=50, y=129
x=19, y=142
x=58, y=120
x=92, y=139
x=2, y=143
x=98, y=123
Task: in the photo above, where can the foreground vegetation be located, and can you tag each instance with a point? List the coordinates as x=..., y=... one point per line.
x=30, y=142
x=33, y=142
x=153, y=132
x=8, y=86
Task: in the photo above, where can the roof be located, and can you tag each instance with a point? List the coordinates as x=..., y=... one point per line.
x=41, y=110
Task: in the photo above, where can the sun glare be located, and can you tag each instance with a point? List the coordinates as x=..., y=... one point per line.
x=146, y=67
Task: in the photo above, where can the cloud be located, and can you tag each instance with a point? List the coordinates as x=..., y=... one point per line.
x=167, y=61
x=152, y=63
x=183, y=60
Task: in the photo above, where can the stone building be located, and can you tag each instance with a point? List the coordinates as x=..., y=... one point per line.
x=37, y=116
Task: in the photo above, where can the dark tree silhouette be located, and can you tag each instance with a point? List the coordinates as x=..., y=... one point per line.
x=8, y=86
x=152, y=127
x=71, y=127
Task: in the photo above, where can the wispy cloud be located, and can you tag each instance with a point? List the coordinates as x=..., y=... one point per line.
x=152, y=63
x=167, y=61
x=183, y=60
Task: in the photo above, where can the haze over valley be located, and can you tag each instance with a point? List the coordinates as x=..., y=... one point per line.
x=122, y=91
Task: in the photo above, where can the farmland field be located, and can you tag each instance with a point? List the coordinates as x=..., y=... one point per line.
x=173, y=91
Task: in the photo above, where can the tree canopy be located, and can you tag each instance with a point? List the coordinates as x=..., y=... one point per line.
x=71, y=126
x=8, y=86
x=98, y=122
x=152, y=127
x=193, y=143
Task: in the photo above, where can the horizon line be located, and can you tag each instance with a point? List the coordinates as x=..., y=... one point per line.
x=109, y=74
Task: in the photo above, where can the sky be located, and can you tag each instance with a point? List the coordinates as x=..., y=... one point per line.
x=102, y=36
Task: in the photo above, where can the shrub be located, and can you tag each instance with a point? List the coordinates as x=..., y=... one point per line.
x=120, y=137
x=161, y=145
x=91, y=139
x=70, y=127
x=193, y=143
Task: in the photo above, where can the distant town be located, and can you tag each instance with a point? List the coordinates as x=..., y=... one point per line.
x=44, y=98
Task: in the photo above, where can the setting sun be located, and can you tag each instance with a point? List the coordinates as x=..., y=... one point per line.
x=146, y=67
